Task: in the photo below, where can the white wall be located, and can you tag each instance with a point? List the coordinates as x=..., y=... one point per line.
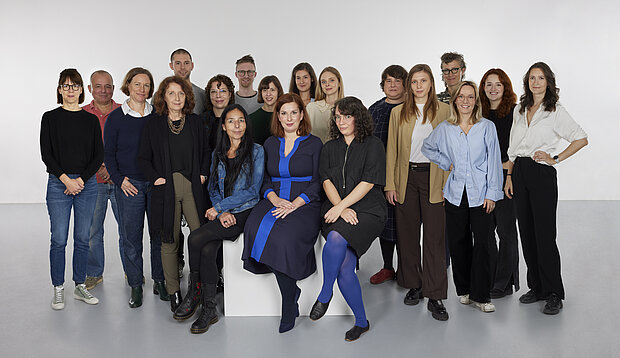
x=577, y=39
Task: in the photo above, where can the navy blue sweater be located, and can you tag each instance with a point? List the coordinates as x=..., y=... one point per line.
x=121, y=137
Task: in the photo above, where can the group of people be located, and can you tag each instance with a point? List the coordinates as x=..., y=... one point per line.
x=280, y=168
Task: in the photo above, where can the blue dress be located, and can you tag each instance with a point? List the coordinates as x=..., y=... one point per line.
x=286, y=245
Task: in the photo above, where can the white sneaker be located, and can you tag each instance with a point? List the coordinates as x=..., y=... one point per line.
x=465, y=300
x=58, y=301
x=82, y=294
x=486, y=307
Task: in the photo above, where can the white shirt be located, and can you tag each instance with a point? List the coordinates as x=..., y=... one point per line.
x=544, y=132
x=420, y=132
x=148, y=108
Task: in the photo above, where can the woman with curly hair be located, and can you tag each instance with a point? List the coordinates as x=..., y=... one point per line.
x=352, y=170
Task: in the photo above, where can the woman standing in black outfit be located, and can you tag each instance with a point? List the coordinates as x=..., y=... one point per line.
x=498, y=101
x=174, y=156
x=352, y=171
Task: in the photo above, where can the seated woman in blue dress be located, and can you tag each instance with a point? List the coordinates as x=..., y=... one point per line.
x=352, y=170
x=282, y=229
x=236, y=176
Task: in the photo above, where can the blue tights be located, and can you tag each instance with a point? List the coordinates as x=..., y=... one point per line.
x=339, y=262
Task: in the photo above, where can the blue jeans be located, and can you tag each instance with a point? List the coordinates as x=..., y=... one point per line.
x=59, y=209
x=132, y=209
x=96, y=254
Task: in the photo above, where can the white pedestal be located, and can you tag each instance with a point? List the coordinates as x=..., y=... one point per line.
x=247, y=294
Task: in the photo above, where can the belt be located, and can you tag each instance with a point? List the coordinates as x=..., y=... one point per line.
x=419, y=167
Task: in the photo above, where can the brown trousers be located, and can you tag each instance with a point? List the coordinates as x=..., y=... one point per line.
x=185, y=205
x=427, y=271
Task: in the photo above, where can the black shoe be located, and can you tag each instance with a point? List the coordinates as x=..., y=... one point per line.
x=553, y=305
x=192, y=299
x=175, y=300
x=159, y=288
x=289, y=313
x=319, y=308
x=136, y=297
x=496, y=293
x=437, y=309
x=413, y=296
x=208, y=314
x=530, y=297
x=355, y=332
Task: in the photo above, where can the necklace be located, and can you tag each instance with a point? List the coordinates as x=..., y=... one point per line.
x=176, y=128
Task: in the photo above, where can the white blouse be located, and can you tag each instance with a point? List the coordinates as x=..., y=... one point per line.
x=544, y=132
x=420, y=132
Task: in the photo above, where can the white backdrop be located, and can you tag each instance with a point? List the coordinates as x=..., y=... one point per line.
x=577, y=39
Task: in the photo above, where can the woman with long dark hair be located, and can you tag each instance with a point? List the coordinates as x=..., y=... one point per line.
x=303, y=82
x=540, y=123
x=497, y=100
x=174, y=156
x=236, y=176
x=352, y=170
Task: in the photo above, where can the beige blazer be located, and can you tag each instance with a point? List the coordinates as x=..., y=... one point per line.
x=399, y=149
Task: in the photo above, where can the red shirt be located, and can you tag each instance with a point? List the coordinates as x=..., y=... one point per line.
x=90, y=108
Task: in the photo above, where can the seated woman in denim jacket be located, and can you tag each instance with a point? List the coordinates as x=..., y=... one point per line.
x=234, y=184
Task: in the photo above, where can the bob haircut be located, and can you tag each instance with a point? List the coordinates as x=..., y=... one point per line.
x=220, y=80
x=303, y=66
x=319, y=90
x=133, y=73
x=159, y=100
x=476, y=114
x=364, y=124
x=396, y=71
x=304, y=126
x=509, y=98
x=264, y=84
x=74, y=76
x=552, y=93
x=410, y=109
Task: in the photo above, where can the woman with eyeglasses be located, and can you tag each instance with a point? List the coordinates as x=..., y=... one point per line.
x=466, y=143
x=303, y=82
x=175, y=157
x=236, y=176
x=352, y=170
x=72, y=151
x=281, y=231
x=269, y=90
x=498, y=101
x=121, y=137
x=331, y=89
x=220, y=94
x=540, y=123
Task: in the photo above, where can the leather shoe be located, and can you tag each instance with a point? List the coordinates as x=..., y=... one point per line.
x=135, y=300
x=175, y=301
x=319, y=308
x=529, y=297
x=437, y=309
x=553, y=305
x=355, y=332
x=413, y=297
x=382, y=276
x=159, y=288
x=496, y=293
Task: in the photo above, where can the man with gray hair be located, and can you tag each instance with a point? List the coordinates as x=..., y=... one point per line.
x=182, y=65
x=452, y=74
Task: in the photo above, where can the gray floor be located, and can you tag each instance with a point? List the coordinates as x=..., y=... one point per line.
x=587, y=327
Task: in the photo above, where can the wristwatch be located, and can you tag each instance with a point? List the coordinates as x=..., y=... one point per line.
x=556, y=158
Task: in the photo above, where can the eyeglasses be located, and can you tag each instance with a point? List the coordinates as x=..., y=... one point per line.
x=245, y=73
x=216, y=91
x=74, y=87
x=347, y=118
x=453, y=70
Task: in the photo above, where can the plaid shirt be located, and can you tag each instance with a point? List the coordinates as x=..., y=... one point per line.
x=444, y=96
x=380, y=112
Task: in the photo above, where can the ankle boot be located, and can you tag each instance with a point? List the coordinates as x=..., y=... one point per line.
x=208, y=315
x=290, y=311
x=159, y=288
x=175, y=300
x=192, y=299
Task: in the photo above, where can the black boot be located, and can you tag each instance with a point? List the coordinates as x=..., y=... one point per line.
x=159, y=288
x=290, y=311
x=175, y=300
x=208, y=315
x=191, y=300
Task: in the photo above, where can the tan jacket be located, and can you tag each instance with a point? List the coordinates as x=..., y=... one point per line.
x=399, y=149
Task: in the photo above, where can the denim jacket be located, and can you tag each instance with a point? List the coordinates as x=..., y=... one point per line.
x=242, y=197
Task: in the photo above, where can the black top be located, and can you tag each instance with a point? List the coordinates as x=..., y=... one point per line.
x=181, y=148
x=71, y=142
x=229, y=183
x=503, y=126
x=211, y=122
x=347, y=166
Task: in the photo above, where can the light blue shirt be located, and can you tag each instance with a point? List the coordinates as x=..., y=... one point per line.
x=475, y=157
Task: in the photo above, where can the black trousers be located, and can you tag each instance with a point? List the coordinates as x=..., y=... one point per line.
x=471, y=269
x=505, y=258
x=536, y=197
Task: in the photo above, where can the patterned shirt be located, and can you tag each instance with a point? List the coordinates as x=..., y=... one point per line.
x=444, y=96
